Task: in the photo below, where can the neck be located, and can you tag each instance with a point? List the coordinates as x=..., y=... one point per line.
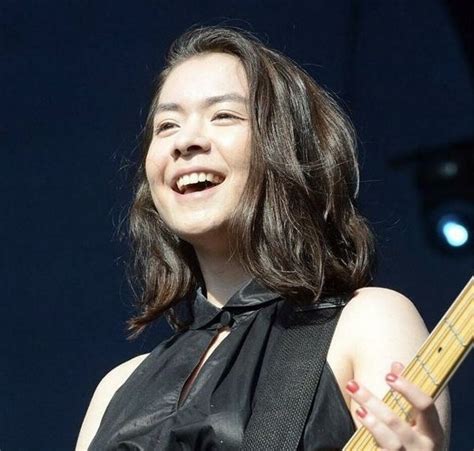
x=222, y=273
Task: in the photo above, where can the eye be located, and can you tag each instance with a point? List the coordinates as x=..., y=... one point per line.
x=226, y=116
x=163, y=126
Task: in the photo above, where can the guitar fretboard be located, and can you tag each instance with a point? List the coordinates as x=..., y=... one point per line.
x=434, y=364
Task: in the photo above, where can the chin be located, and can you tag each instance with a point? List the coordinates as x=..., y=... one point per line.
x=203, y=235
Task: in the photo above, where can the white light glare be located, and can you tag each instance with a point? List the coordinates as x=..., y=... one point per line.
x=455, y=233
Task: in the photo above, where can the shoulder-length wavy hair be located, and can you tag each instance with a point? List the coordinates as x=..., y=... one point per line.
x=296, y=230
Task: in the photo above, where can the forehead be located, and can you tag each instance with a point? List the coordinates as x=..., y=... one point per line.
x=204, y=76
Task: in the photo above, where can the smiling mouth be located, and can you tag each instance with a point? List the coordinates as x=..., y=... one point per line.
x=191, y=183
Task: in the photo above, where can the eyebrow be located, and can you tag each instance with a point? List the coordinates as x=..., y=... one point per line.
x=209, y=101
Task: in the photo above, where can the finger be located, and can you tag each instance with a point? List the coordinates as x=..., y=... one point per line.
x=382, y=434
x=397, y=368
x=424, y=409
x=389, y=430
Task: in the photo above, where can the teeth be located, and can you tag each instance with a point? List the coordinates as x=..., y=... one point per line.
x=196, y=177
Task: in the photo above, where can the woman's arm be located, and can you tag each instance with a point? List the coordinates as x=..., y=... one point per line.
x=384, y=327
x=104, y=392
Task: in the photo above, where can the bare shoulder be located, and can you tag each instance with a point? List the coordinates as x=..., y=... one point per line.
x=374, y=303
x=104, y=392
x=382, y=323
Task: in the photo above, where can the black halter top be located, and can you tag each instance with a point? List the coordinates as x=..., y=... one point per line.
x=146, y=412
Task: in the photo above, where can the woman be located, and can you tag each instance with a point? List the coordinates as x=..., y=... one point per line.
x=245, y=203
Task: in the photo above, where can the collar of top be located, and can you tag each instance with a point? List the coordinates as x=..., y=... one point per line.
x=201, y=314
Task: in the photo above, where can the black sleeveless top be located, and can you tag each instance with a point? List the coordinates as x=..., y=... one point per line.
x=146, y=412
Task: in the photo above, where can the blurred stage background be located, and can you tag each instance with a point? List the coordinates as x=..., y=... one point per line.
x=76, y=79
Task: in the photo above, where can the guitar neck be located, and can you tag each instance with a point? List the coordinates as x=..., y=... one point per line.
x=434, y=364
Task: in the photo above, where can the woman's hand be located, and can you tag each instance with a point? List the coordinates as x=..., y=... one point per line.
x=424, y=432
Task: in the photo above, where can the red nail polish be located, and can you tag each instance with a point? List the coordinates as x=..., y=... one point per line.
x=390, y=377
x=361, y=412
x=352, y=386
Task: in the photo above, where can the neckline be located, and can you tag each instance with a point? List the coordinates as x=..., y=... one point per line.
x=198, y=313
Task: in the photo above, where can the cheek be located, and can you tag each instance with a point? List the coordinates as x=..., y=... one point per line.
x=238, y=150
x=154, y=168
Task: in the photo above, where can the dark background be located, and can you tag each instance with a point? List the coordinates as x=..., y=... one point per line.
x=76, y=78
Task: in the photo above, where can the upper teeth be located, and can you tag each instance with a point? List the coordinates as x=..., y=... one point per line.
x=196, y=177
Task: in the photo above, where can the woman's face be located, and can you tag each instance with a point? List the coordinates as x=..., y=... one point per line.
x=198, y=160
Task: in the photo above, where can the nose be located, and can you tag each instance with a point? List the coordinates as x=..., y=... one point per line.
x=191, y=139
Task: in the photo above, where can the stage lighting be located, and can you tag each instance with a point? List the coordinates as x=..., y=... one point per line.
x=449, y=226
x=445, y=183
x=454, y=232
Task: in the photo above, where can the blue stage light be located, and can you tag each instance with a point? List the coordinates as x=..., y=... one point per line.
x=454, y=231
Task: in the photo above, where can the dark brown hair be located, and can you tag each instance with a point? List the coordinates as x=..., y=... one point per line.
x=297, y=230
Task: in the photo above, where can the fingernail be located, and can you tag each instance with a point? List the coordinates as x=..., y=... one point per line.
x=361, y=412
x=398, y=366
x=352, y=386
x=390, y=377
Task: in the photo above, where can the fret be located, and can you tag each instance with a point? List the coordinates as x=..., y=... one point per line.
x=427, y=370
x=455, y=332
x=401, y=407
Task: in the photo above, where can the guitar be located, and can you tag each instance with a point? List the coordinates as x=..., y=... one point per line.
x=434, y=364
